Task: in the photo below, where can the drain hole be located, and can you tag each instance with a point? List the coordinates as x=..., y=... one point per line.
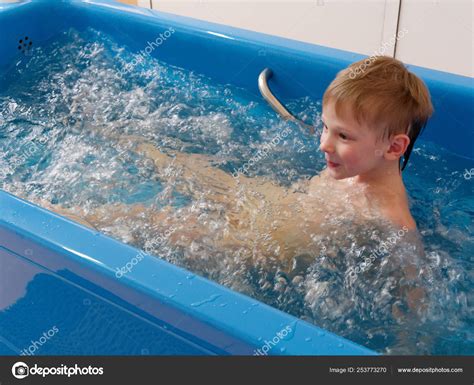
x=25, y=45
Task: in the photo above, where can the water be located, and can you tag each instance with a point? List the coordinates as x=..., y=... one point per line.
x=78, y=137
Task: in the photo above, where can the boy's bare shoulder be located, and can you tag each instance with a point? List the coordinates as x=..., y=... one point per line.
x=397, y=209
x=392, y=203
x=399, y=216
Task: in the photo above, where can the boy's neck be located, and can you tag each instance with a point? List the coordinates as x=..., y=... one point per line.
x=386, y=177
x=384, y=187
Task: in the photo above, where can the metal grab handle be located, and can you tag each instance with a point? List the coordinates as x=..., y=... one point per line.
x=275, y=103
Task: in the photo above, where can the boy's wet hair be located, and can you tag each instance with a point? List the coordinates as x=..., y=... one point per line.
x=384, y=95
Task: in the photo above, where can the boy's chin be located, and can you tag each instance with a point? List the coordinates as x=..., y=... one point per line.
x=337, y=174
x=341, y=174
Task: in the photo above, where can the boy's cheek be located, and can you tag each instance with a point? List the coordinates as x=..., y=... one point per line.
x=355, y=164
x=351, y=158
x=361, y=157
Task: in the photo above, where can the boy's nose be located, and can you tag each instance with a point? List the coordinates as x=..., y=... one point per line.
x=325, y=146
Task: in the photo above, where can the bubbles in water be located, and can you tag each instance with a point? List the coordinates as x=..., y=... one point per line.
x=77, y=134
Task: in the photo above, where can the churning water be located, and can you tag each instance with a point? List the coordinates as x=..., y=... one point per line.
x=83, y=133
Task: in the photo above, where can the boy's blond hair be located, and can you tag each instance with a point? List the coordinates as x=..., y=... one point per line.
x=384, y=95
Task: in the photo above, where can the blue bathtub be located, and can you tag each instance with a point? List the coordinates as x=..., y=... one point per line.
x=56, y=275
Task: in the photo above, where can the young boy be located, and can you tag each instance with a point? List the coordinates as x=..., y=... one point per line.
x=370, y=121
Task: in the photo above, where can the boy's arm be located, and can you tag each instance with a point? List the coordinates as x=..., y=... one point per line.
x=181, y=169
x=218, y=185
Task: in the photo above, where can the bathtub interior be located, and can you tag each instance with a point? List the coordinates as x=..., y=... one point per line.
x=218, y=52
x=67, y=270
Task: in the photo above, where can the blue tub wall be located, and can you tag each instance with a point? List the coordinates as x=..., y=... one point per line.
x=35, y=300
x=200, y=316
x=37, y=19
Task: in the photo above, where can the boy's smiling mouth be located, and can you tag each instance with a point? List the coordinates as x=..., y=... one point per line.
x=331, y=164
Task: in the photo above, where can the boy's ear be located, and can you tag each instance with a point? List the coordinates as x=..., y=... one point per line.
x=398, y=146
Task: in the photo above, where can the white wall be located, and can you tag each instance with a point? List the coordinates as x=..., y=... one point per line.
x=439, y=32
x=144, y=3
x=440, y=35
x=358, y=26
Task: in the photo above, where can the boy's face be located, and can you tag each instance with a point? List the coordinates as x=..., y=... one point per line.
x=350, y=149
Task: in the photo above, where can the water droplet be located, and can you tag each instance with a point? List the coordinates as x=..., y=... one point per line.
x=207, y=300
x=307, y=339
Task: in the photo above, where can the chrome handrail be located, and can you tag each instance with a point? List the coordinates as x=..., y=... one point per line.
x=275, y=103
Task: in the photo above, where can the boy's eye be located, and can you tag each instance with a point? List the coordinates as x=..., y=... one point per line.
x=343, y=136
